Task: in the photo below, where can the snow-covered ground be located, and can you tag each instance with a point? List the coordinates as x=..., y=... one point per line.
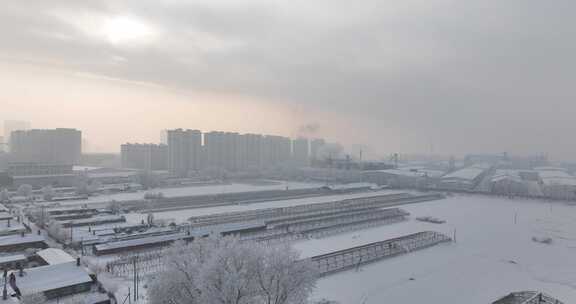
x=194, y=190
x=493, y=256
x=180, y=216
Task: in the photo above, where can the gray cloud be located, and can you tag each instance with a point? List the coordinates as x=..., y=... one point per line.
x=469, y=75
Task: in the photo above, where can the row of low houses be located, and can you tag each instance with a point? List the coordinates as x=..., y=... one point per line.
x=64, y=176
x=39, y=269
x=516, y=182
x=34, y=269
x=465, y=179
x=548, y=182
x=8, y=224
x=403, y=178
x=557, y=183
x=51, y=272
x=421, y=177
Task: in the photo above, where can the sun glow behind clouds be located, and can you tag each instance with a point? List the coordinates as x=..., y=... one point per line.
x=117, y=30
x=127, y=30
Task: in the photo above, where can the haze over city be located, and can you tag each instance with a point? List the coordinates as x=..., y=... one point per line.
x=287, y=152
x=397, y=76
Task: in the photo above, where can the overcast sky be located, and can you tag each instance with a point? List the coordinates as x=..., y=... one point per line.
x=397, y=75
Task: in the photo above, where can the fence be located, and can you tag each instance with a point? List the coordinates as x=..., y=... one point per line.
x=271, y=214
x=146, y=263
x=354, y=257
x=152, y=261
x=527, y=297
x=322, y=227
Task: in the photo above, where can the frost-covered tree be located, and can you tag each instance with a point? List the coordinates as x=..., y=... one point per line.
x=283, y=278
x=24, y=190
x=4, y=195
x=48, y=193
x=56, y=231
x=115, y=207
x=94, y=186
x=147, y=179
x=228, y=277
x=82, y=188
x=227, y=271
x=150, y=219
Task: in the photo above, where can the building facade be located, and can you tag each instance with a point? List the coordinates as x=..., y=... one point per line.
x=276, y=150
x=300, y=151
x=144, y=156
x=11, y=126
x=316, y=148
x=49, y=146
x=225, y=150
x=29, y=169
x=184, y=151
x=40, y=174
x=216, y=151
x=254, y=151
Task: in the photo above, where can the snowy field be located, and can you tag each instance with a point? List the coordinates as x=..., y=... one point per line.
x=194, y=190
x=180, y=216
x=493, y=256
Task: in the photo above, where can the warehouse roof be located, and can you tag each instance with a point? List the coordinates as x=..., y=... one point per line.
x=12, y=258
x=18, y=239
x=54, y=256
x=468, y=173
x=51, y=277
x=141, y=241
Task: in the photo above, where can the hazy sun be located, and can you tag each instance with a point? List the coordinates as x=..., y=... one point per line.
x=127, y=30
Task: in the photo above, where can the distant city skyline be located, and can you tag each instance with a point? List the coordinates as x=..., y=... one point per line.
x=188, y=152
x=397, y=76
x=368, y=153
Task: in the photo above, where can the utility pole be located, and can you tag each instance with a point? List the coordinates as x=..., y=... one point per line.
x=135, y=280
x=5, y=291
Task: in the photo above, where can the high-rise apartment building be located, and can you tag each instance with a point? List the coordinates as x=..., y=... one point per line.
x=300, y=151
x=316, y=147
x=225, y=150
x=192, y=150
x=276, y=150
x=49, y=146
x=254, y=151
x=11, y=126
x=184, y=151
x=144, y=156
x=164, y=137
